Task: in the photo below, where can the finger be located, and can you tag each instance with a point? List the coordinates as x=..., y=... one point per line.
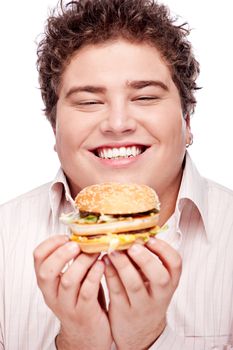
x=48, y=275
x=89, y=290
x=169, y=257
x=48, y=247
x=117, y=293
x=71, y=280
x=155, y=272
x=130, y=277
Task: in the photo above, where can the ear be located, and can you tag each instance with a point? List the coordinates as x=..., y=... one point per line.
x=189, y=135
x=54, y=129
x=54, y=132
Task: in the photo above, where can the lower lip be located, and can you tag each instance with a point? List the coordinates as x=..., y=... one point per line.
x=119, y=162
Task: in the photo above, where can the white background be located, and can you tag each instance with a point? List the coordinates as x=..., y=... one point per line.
x=26, y=140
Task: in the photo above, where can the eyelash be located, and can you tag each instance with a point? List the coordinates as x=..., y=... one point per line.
x=147, y=98
x=89, y=103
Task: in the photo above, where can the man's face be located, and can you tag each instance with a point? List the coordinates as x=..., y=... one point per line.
x=119, y=118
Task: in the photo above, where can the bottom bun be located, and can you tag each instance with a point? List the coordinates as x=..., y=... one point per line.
x=109, y=243
x=98, y=248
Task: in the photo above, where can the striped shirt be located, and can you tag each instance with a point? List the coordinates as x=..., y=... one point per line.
x=200, y=316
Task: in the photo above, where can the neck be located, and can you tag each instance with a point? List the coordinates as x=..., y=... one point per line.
x=168, y=200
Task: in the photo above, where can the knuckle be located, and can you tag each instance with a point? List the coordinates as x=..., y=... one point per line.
x=66, y=283
x=148, y=259
x=92, y=278
x=164, y=281
x=42, y=276
x=136, y=287
x=177, y=264
x=36, y=254
x=85, y=295
x=110, y=273
x=116, y=291
x=59, y=254
x=45, y=274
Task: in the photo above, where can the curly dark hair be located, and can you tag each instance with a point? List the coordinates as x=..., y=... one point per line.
x=82, y=22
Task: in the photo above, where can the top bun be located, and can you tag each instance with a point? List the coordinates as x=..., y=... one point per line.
x=117, y=198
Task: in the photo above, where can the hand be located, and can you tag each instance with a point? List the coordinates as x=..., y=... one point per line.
x=73, y=295
x=141, y=283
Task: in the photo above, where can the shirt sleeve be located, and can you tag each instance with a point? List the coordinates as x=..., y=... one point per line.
x=169, y=340
x=1, y=292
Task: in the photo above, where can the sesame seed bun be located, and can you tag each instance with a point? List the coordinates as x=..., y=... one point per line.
x=116, y=198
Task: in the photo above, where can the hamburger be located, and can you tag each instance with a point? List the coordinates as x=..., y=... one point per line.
x=112, y=216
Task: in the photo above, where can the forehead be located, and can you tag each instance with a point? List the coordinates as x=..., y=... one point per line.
x=115, y=62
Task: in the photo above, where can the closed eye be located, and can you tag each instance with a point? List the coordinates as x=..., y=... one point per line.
x=146, y=98
x=89, y=103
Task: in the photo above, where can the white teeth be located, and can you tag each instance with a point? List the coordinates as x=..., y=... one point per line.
x=134, y=151
x=109, y=153
x=122, y=152
x=129, y=151
x=105, y=153
x=115, y=152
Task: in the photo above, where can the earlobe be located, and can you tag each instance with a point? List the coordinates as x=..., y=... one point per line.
x=189, y=140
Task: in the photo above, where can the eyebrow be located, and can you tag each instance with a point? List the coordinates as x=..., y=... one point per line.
x=134, y=84
x=86, y=88
x=140, y=84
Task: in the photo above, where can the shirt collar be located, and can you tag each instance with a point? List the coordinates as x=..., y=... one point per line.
x=193, y=188
x=58, y=190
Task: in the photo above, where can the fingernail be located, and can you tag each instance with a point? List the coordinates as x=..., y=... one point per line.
x=72, y=247
x=135, y=249
x=152, y=241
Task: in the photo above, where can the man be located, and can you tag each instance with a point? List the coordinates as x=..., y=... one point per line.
x=118, y=78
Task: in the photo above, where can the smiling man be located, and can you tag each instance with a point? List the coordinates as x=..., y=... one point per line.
x=119, y=117
x=118, y=79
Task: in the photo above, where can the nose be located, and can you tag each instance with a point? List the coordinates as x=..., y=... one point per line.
x=118, y=121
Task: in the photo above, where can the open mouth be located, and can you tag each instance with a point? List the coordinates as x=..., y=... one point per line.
x=119, y=152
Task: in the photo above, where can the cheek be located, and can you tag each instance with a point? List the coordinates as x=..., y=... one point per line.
x=74, y=127
x=168, y=127
x=179, y=130
x=69, y=133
